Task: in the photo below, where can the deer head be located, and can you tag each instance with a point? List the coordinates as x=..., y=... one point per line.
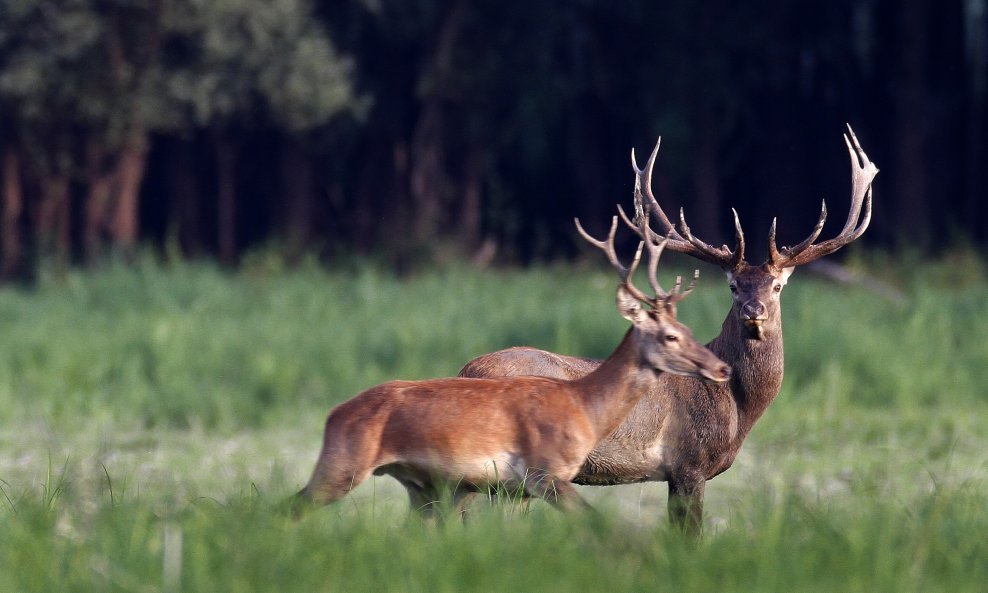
x=664, y=343
x=756, y=288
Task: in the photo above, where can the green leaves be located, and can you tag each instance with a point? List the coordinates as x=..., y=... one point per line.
x=177, y=65
x=236, y=59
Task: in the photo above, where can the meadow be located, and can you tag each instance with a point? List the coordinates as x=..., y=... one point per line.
x=153, y=416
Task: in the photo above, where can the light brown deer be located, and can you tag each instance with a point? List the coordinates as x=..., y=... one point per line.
x=685, y=431
x=531, y=433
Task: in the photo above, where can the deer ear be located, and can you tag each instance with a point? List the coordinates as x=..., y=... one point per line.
x=629, y=307
x=786, y=272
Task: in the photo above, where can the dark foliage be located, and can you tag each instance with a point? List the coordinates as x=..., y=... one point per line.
x=453, y=129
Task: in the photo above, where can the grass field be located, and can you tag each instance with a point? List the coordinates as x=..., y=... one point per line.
x=153, y=417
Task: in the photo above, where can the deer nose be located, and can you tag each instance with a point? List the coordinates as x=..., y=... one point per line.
x=753, y=310
x=721, y=372
x=724, y=372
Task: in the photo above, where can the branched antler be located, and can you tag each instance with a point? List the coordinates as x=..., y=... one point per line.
x=683, y=241
x=654, y=247
x=863, y=172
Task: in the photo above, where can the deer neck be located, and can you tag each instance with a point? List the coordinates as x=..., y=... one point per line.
x=757, y=367
x=611, y=390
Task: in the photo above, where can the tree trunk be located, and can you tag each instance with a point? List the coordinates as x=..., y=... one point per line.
x=96, y=216
x=428, y=173
x=53, y=232
x=374, y=182
x=131, y=166
x=468, y=229
x=226, y=206
x=298, y=190
x=185, y=225
x=13, y=206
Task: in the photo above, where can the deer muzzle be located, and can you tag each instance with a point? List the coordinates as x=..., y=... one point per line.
x=753, y=315
x=720, y=373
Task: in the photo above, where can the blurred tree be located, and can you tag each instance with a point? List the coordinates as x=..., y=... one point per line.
x=456, y=126
x=79, y=78
x=238, y=64
x=88, y=81
x=40, y=88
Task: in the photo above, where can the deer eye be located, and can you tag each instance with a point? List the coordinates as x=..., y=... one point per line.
x=777, y=288
x=671, y=338
x=733, y=287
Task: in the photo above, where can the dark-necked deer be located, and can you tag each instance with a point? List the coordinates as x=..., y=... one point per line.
x=463, y=435
x=685, y=431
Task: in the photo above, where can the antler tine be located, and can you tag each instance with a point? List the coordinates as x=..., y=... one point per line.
x=863, y=172
x=777, y=257
x=641, y=296
x=650, y=241
x=633, y=224
x=639, y=224
x=654, y=253
x=661, y=296
x=655, y=245
x=723, y=257
x=738, y=256
x=606, y=246
x=643, y=189
x=773, y=250
x=677, y=294
x=625, y=273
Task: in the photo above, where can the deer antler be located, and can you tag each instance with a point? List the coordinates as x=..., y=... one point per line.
x=863, y=172
x=655, y=249
x=655, y=245
x=683, y=241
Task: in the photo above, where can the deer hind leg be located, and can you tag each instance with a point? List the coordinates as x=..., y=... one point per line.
x=559, y=493
x=328, y=484
x=686, y=506
x=429, y=499
x=464, y=502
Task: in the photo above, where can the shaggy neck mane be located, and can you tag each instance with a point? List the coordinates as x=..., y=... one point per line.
x=757, y=367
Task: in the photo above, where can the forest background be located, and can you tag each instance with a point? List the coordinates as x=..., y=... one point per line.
x=219, y=218
x=445, y=129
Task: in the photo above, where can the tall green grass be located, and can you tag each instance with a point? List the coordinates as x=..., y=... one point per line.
x=790, y=544
x=153, y=417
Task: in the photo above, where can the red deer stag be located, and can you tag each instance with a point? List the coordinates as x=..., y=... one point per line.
x=463, y=435
x=685, y=431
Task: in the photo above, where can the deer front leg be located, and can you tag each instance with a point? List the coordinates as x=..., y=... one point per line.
x=686, y=505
